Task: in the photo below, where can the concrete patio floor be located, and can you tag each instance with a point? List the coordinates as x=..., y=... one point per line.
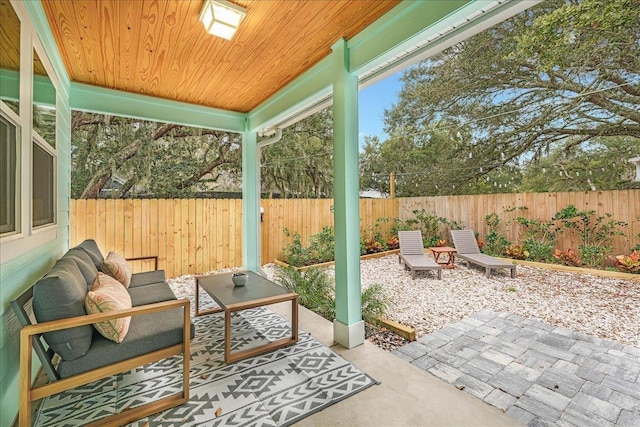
x=406, y=396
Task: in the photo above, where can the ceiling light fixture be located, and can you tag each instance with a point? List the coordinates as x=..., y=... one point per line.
x=221, y=18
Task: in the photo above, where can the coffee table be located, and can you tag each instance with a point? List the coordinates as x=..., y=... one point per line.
x=258, y=292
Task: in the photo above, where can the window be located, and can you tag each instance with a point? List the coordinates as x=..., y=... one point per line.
x=43, y=179
x=8, y=163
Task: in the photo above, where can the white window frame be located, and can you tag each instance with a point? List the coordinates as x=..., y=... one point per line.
x=26, y=237
x=9, y=115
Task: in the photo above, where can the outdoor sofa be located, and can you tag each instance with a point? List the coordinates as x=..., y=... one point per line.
x=160, y=327
x=468, y=250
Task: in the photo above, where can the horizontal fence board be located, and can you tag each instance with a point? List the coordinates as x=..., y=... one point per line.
x=200, y=235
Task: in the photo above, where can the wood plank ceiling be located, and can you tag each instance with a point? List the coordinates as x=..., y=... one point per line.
x=160, y=48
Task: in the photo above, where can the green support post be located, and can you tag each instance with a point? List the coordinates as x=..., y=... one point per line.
x=250, y=203
x=348, y=327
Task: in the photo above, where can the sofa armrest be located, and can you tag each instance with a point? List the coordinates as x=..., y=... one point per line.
x=141, y=258
x=71, y=322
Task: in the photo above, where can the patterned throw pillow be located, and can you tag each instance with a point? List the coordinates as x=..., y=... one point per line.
x=118, y=268
x=108, y=295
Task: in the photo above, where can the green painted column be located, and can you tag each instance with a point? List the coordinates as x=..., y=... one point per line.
x=250, y=202
x=348, y=327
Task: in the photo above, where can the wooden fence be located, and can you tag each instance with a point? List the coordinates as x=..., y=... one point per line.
x=624, y=205
x=199, y=235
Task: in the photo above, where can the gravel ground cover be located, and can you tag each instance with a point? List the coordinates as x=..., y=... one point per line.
x=604, y=307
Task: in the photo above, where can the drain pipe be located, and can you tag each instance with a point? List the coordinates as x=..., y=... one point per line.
x=275, y=138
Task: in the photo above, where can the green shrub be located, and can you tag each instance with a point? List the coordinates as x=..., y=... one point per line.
x=596, y=233
x=316, y=291
x=494, y=242
x=321, y=248
x=539, y=238
x=314, y=288
x=374, y=304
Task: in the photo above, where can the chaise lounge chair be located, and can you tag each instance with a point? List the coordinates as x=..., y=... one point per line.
x=412, y=253
x=468, y=250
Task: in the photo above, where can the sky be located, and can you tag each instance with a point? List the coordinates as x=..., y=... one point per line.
x=372, y=102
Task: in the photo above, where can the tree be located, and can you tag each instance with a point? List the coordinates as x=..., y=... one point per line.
x=300, y=164
x=592, y=166
x=561, y=73
x=159, y=159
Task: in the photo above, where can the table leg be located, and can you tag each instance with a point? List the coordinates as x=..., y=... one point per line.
x=227, y=336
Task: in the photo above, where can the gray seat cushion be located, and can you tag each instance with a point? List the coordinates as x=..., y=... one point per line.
x=91, y=248
x=58, y=295
x=147, y=333
x=148, y=294
x=146, y=278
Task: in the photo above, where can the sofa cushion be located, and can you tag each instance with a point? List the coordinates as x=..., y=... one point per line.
x=147, y=333
x=91, y=248
x=147, y=278
x=108, y=295
x=84, y=263
x=149, y=294
x=118, y=268
x=58, y=295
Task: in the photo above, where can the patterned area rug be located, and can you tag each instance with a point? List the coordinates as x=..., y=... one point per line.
x=274, y=389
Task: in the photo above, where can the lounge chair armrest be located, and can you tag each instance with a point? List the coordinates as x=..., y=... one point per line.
x=89, y=319
x=140, y=258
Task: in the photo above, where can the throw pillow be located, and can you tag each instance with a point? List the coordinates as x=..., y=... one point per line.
x=108, y=295
x=118, y=268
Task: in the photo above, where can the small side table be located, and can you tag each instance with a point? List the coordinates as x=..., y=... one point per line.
x=439, y=250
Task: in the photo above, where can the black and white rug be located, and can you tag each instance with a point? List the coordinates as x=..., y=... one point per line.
x=274, y=389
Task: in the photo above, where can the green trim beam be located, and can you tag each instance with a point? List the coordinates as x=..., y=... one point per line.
x=109, y=101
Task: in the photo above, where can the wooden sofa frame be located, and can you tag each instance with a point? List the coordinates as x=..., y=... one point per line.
x=31, y=340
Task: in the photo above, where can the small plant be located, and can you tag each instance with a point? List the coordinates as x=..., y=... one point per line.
x=567, y=257
x=393, y=243
x=512, y=289
x=372, y=246
x=314, y=288
x=516, y=252
x=294, y=252
x=430, y=225
x=494, y=242
x=538, y=238
x=374, y=304
x=629, y=263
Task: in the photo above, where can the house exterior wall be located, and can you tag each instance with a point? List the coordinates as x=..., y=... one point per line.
x=36, y=254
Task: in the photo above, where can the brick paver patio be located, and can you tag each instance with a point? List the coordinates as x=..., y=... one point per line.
x=537, y=373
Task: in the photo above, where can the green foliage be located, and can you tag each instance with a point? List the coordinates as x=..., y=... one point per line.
x=494, y=242
x=596, y=233
x=300, y=165
x=321, y=248
x=374, y=304
x=431, y=226
x=538, y=238
x=147, y=158
x=372, y=239
x=314, y=288
x=294, y=252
